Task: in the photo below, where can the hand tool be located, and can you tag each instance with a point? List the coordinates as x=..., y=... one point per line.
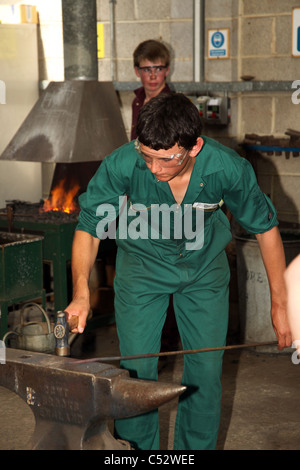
x=61, y=332
x=175, y=353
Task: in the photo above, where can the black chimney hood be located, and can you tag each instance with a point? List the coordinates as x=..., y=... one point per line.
x=78, y=120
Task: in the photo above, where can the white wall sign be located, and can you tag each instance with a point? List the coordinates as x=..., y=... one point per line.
x=218, y=43
x=296, y=32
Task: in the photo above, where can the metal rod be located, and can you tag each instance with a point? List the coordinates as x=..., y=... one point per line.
x=175, y=353
x=112, y=40
x=200, y=88
x=199, y=26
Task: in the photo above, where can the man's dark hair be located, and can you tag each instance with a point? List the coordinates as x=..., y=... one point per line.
x=151, y=50
x=167, y=120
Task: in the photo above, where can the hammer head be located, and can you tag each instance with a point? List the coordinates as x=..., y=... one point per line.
x=61, y=333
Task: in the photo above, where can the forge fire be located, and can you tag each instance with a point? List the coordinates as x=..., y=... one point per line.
x=62, y=199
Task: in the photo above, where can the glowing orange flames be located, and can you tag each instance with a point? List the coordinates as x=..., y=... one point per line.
x=62, y=200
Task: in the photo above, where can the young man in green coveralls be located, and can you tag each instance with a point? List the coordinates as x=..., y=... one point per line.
x=172, y=164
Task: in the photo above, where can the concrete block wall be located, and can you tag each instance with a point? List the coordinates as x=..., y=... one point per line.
x=279, y=177
x=265, y=53
x=260, y=46
x=170, y=21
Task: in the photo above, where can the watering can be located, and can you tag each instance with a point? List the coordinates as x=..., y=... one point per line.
x=34, y=335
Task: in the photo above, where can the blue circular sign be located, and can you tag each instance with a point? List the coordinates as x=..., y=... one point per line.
x=217, y=39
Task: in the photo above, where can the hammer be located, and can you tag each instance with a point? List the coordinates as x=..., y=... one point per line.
x=61, y=333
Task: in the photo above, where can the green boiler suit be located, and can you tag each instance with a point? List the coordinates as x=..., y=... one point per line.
x=149, y=270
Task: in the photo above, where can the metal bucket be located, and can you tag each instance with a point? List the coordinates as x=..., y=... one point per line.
x=253, y=288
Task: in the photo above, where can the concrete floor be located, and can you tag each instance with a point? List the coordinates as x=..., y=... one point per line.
x=260, y=406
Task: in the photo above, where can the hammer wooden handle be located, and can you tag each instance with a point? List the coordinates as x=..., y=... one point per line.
x=73, y=322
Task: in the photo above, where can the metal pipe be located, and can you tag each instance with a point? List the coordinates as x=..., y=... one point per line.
x=80, y=39
x=112, y=40
x=233, y=87
x=199, y=28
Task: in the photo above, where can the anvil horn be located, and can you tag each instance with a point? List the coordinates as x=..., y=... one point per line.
x=132, y=397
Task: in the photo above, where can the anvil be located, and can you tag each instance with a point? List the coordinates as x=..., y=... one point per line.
x=72, y=403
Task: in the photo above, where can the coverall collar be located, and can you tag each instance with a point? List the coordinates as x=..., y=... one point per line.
x=206, y=164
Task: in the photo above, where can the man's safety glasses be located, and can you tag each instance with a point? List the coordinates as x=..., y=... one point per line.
x=165, y=161
x=153, y=69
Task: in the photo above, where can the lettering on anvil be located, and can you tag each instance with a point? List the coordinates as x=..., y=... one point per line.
x=254, y=276
x=55, y=404
x=61, y=414
x=57, y=390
